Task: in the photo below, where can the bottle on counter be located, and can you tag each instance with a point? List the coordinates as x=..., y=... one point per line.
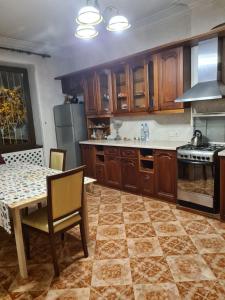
x=146, y=132
x=142, y=133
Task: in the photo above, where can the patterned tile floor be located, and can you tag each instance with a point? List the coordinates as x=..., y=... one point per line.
x=140, y=248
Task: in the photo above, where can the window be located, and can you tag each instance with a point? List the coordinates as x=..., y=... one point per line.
x=16, y=119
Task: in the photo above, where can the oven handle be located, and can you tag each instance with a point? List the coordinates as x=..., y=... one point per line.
x=195, y=162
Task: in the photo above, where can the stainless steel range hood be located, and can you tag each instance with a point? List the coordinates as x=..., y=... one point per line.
x=209, y=84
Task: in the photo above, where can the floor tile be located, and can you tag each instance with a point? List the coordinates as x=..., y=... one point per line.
x=140, y=230
x=40, y=277
x=109, y=232
x=144, y=247
x=219, y=226
x=129, y=198
x=136, y=217
x=201, y=290
x=111, y=249
x=161, y=291
x=71, y=294
x=93, y=209
x=9, y=260
x=183, y=215
x=110, y=199
x=93, y=219
x=133, y=207
x=189, y=268
x=216, y=263
x=177, y=245
x=197, y=227
x=150, y=270
x=124, y=292
x=110, y=192
x=209, y=243
x=111, y=272
x=173, y=228
x=162, y=216
x=93, y=200
x=113, y=208
x=7, y=276
x=154, y=205
x=76, y=275
x=110, y=219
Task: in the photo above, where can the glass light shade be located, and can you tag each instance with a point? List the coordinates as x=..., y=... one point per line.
x=86, y=32
x=118, y=23
x=89, y=15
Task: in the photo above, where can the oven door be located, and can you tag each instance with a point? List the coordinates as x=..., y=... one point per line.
x=195, y=183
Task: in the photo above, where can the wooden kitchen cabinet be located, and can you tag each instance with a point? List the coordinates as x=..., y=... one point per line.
x=88, y=159
x=100, y=173
x=165, y=174
x=172, y=76
x=129, y=170
x=113, y=171
x=90, y=94
x=104, y=91
x=147, y=183
x=121, y=91
x=222, y=188
x=139, y=85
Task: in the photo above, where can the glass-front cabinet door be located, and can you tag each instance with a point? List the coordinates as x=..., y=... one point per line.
x=139, y=85
x=104, y=82
x=121, y=88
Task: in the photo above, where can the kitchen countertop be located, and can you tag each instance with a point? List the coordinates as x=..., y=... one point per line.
x=221, y=153
x=161, y=145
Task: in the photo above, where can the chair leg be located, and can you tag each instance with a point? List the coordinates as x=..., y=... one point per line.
x=83, y=239
x=26, y=241
x=54, y=258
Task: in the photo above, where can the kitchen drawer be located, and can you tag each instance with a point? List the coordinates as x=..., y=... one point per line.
x=112, y=151
x=129, y=152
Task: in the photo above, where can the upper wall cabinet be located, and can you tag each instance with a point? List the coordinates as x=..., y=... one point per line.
x=121, y=95
x=139, y=85
x=171, y=76
x=104, y=91
x=90, y=94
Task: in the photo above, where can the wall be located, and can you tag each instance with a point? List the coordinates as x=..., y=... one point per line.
x=45, y=92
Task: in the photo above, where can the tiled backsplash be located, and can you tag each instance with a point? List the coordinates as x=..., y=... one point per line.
x=176, y=127
x=211, y=127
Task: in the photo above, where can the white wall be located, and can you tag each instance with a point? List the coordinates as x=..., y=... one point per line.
x=45, y=92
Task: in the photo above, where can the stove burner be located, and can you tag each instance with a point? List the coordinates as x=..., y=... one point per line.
x=204, y=153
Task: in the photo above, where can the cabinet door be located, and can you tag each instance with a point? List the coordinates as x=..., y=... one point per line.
x=129, y=169
x=100, y=173
x=147, y=183
x=113, y=171
x=91, y=105
x=170, y=78
x=165, y=174
x=88, y=159
x=139, y=86
x=121, y=95
x=222, y=188
x=104, y=91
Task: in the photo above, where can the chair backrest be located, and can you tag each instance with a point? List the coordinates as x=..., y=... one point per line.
x=65, y=193
x=57, y=159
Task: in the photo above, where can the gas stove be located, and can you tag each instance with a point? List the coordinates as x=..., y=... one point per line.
x=205, y=153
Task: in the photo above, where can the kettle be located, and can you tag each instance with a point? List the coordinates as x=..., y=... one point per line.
x=197, y=139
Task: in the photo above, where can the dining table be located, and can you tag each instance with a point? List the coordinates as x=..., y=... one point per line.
x=24, y=185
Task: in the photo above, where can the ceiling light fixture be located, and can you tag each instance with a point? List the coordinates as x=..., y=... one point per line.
x=86, y=32
x=90, y=15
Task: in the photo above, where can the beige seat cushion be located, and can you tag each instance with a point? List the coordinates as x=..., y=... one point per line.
x=39, y=220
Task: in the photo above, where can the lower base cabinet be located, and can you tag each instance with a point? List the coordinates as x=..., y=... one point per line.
x=147, y=183
x=119, y=168
x=100, y=173
x=222, y=188
x=165, y=175
x=129, y=170
x=113, y=171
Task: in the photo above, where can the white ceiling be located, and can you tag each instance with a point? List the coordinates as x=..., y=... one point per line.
x=50, y=23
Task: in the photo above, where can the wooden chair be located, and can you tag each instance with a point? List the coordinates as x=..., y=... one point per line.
x=57, y=159
x=64, y=210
